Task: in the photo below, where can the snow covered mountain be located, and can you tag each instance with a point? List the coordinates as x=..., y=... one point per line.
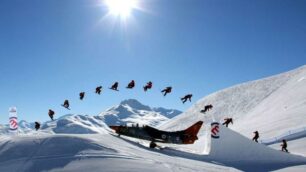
x=132, y=111
x=129, y=111
x=273, y=106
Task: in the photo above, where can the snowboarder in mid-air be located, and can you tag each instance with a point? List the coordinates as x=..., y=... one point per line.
x=82, y=94
x=115, y=86
x=284, y=146
x=98, y=90
x=166, y=90
x=207, y=108
x=37, y=125
x=227, y=121
x=148, y=86
x=51, y=114
x=186, y=97
x=256, y=136
x=66, y=104
x=131, y=85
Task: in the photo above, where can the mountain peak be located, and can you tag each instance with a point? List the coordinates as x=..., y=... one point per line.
x=135, y=104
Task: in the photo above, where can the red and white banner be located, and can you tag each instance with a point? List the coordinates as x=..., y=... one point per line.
x=13, y=119
x=215, y=130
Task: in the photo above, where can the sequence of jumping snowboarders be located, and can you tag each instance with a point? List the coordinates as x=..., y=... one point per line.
x=130, y=85
x=165, y=91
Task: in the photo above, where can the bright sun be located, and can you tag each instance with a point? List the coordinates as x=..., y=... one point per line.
x=121, y=8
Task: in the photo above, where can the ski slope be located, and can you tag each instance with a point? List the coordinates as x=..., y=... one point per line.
x=272, y=106
x=94, y=152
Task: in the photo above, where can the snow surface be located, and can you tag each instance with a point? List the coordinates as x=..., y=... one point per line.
x=101, y=152
x=96, y=152
x=273, y=106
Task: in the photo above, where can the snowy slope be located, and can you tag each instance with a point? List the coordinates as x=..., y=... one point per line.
x=272, y=105
x=76, y=124
x=94, y=152
x=89, y=153
x=132, y=111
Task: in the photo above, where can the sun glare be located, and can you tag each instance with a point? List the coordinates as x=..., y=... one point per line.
x=121, y=8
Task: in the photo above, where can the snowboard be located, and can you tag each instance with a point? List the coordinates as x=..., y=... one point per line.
x=66, y=107
x=113, y=89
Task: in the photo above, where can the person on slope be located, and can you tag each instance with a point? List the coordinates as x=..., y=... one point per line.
x=227, y=121
x=131, y=85
x=207, y=108
x=82, y=94
x=256, y=136
x=186, y=97
x=98, y=90
x=37, y=125
x=148, y=86
x=166, y=90
x=284, y=146
x=115, y=86
x=66, y=104
x=51, y=114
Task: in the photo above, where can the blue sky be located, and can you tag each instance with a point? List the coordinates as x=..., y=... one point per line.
x=51, y=50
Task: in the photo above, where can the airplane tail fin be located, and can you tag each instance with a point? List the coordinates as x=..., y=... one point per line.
x=190, y=134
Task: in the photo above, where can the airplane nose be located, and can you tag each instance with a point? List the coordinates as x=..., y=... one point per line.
x=116, y=128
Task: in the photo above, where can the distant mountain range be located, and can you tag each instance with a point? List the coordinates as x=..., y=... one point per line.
x=127, y=112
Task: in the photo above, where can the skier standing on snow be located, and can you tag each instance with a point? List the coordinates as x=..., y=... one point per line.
x=131, y=84
x=284, y=146
x=255, y=138
x=148, y=86
x=51, y=114
x=37, y=126
x=227, y=121
x=166, y=90
x=98, y=90
x=187, y=97
x=115, y=86
x=82, y=94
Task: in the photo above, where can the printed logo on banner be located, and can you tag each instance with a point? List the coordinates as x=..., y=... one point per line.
x=13, y=118
x=13, y=123
x=215, y=130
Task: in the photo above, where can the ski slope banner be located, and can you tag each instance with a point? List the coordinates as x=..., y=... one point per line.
x=13, y=119
x=215, y=130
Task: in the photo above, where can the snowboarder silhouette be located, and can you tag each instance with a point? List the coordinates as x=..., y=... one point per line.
x=98, y=90
x=66, y=104
x=148, y=86
x=186, y=97
x=51, y=114
x=131, y=84
x=166, y=90
x=227, y=121
x=37, y=126
x=82, y=94
x=207, y=108
x=284, y=146
x=115, y=86
x=256, y=136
